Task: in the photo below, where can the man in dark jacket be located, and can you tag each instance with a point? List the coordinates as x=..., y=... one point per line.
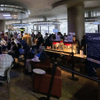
x=40, y=56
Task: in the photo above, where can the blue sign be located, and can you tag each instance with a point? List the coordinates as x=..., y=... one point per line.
x=93, y=52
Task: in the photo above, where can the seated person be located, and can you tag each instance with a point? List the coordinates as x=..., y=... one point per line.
x=14, y=51
x=3, y=42
x=5, y=62
x=9, y=44
x=40, y=56
x=32, y=52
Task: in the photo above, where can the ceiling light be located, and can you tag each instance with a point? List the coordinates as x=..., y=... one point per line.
x=6, y=15
x=1, y=9
x=2, y=5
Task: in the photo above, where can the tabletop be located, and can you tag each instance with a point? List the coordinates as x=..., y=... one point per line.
x=63, y=53
x=39, y=71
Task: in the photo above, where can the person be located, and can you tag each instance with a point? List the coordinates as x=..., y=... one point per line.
x=3, y=42
x=14, y=51
x=40, y=56
x=5, y=62
x=48, y=41
x=46, y=36
x=58, y=36
x=33, y=36
x=9, y=44
x=76, y=42
x=65, y=36
x=40, y=39
x=27, y=38
x=83, y=44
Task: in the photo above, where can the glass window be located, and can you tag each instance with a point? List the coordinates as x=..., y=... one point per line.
x=90, y=28
x=51, y=27
x=44, y=29
x=35, y=27
x=64, y=28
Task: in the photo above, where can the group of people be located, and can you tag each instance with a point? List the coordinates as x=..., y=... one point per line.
x=31, y=46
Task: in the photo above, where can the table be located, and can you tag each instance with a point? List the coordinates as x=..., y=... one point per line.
x=63, y=53
x=39, y=71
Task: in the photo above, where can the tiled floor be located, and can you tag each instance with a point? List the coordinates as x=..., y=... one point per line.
x=21, y=87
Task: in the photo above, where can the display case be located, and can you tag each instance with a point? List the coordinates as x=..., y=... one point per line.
x=63, y=46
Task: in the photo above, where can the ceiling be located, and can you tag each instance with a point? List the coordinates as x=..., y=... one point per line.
x=41, y=8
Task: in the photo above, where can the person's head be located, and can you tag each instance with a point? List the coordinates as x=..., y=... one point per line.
x=25, y=33
x=13, y=44
x=41, y=48
x=39, y=34
x=74, y=38
x=64, y=34
x=12, y=39
x=32, y=33
x=46, y=34
x=4, y=49
x=84, y=37
x=22, y=32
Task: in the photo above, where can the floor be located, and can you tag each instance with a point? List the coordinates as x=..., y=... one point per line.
x=21, y=87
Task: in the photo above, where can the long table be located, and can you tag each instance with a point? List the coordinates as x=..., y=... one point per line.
x=64, y=53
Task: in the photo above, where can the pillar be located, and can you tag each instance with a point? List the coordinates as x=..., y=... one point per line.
x=76, y=21
x=2, y=25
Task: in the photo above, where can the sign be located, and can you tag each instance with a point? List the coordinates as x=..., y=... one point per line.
x=22, y=29
x=93, y=52
x=55, y=30
x=71, y=33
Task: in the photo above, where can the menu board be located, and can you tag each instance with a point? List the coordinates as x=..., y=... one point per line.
x=93, y=52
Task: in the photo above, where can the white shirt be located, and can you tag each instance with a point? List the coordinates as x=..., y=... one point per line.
x=5, y=62
x=19, y=36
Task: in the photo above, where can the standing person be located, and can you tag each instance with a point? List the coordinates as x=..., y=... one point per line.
x=48, y=41
x=65, y=36
x=46, y=36
x=76, y=42
x=40, y=40
x=83, y=44
x=33, y=36
x=27, y=38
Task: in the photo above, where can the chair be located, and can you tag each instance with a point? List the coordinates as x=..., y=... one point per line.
x=41, y=83
x=43, y=64
x=7, y=79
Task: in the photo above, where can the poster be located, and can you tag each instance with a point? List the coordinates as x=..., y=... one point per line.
x=93, y=52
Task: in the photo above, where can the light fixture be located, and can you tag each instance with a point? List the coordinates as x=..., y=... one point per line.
x=2, y=5
x=6, y=15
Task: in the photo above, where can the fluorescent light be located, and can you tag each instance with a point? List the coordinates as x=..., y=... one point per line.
x=1, y=9
x=2, y=5
x=6, y=15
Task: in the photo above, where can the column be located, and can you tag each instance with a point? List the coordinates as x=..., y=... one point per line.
x=76, y=21
x=2, y=25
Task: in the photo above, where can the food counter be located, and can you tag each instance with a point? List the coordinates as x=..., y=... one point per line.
x=64, y=53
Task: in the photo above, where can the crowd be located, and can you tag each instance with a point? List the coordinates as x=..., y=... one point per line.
x=30, y=45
